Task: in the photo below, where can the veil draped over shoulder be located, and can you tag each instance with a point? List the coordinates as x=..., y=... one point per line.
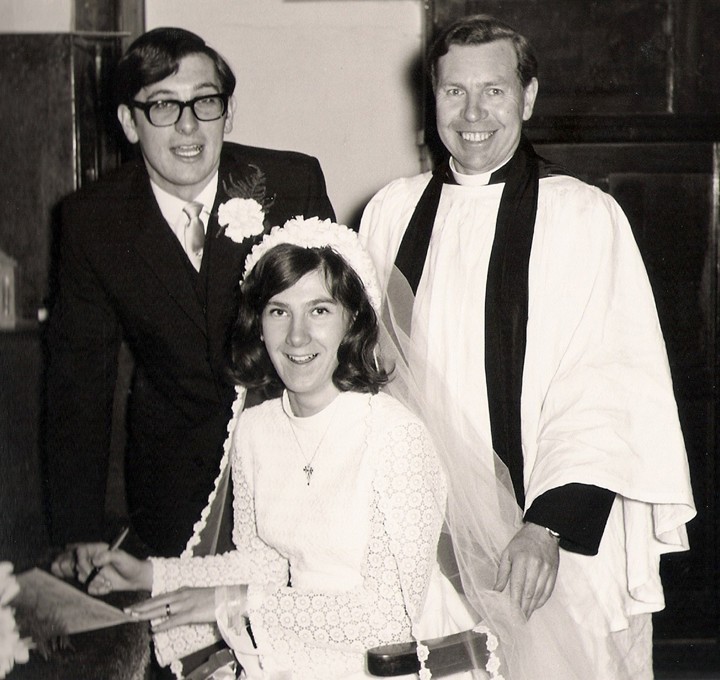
x=482, y=514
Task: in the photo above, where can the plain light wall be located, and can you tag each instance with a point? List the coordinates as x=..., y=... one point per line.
x=36, y=16
x=331, y=78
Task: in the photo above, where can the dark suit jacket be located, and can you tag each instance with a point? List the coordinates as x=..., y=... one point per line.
x=124, y=275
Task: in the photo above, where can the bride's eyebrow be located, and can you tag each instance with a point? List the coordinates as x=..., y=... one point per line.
x=309, y=303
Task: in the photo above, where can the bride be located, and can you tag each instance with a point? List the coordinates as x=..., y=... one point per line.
x=338, y=492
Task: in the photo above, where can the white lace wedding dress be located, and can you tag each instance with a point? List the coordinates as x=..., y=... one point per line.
x=337, y=563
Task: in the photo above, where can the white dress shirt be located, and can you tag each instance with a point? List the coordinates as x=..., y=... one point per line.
x=171, y=208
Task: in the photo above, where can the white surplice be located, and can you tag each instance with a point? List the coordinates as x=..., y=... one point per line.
x=597, y=402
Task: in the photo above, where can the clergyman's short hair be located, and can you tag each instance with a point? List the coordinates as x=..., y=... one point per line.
x=478, y=29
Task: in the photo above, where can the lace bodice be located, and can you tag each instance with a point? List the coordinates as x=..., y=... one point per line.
x=337, y=565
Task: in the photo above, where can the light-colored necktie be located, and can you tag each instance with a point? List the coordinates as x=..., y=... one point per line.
x=194, y=233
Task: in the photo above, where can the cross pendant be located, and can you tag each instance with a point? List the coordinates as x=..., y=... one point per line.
x=308, y=470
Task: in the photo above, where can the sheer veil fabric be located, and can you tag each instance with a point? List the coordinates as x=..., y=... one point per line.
x=482, y=514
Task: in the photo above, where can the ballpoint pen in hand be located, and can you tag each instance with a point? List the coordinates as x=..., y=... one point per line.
x=113, y=546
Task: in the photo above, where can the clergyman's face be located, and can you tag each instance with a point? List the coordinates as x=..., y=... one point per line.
x=302, y=329
x=180, y=158
x=481, y=104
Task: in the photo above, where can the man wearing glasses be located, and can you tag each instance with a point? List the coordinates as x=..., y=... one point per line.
x=147, y=256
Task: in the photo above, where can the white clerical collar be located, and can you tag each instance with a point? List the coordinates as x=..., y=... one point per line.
x=479, y=180
x=171, y=206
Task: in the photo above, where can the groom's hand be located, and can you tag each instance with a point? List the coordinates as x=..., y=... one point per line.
x=528, y=567
x=118, y=570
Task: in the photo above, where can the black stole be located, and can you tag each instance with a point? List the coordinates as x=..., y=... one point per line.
x=506, y=300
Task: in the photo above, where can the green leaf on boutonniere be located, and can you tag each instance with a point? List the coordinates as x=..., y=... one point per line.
x=253, y=185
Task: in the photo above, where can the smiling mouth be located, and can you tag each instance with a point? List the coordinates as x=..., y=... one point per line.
x=303, y=359
x=476, y=136
x=188, y=150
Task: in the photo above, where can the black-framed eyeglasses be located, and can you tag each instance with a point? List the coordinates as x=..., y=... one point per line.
x=165, y=112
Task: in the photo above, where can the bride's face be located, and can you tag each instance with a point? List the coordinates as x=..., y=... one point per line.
x=302, y=329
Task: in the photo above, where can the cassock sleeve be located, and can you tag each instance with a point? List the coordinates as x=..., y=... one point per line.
x=578, y=512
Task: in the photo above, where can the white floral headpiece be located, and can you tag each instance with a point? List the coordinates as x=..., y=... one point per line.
x=316, y=233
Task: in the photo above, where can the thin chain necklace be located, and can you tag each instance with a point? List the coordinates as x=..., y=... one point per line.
x=308, y=469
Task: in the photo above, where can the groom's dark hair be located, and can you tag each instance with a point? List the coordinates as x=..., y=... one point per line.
x=155, y=55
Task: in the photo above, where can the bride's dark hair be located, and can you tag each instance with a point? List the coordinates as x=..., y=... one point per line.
x=280, y=268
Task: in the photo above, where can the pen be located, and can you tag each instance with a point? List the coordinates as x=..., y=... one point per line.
x=113, y=546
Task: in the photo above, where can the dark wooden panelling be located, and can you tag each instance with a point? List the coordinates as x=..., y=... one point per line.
x=37, y=165
x=55, y=107
x=695, y=127
x=23, y=534
x=612, y=57
x=96, y=15
x=111, y=16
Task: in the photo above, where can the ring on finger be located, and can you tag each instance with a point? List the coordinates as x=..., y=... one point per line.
x=168, y=611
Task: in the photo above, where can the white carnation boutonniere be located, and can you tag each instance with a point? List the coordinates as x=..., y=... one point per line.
x=243, y=215
x=241, y=218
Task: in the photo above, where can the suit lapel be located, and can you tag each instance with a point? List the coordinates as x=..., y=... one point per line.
x=224, y=258
x=158, y=246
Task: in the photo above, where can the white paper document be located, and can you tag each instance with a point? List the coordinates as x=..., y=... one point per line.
x=77, y=611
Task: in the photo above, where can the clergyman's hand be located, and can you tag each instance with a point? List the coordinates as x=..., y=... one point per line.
x=528, y=567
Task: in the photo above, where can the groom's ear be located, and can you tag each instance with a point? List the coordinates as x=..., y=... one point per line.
x=229, y=115
x=127, y=121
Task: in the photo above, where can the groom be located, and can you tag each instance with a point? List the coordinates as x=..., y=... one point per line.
x=144, y=259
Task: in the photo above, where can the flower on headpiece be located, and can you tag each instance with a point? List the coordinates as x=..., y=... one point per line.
x=13, y=648
x=244, y=214
x=312, y=232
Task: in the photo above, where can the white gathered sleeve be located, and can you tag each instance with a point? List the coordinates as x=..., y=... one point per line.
x=603, y=411
x=318, y=634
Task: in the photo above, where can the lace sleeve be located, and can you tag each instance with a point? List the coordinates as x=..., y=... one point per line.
x=252, y=560
x=322, y=635
x=411, y=492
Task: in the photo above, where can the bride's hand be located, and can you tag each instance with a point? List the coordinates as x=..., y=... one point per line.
x=187, y=605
